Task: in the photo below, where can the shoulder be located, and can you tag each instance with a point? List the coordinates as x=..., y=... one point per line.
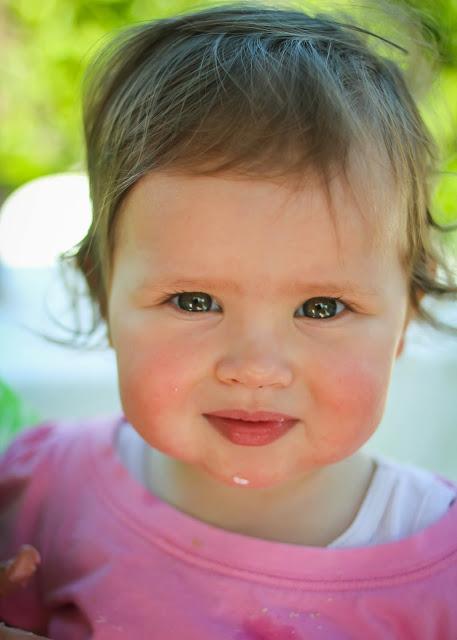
x=36, y=448
x=39, y=461
x=409, y=477
x=415, y=497
x=27, y=449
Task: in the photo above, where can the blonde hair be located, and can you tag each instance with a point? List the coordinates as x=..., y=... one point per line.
x=261, y=91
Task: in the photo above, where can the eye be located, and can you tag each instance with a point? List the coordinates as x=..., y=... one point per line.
x=192, y=301
x=322, y=308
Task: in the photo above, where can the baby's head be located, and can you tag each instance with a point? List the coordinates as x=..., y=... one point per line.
x=274, y=172
x=259, y=92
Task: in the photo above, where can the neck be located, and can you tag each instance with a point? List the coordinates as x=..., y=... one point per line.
x=311, y=511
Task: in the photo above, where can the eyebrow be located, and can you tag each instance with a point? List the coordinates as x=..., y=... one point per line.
x=292, y=287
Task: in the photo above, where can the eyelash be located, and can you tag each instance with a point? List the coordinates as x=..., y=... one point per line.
x=168, y=297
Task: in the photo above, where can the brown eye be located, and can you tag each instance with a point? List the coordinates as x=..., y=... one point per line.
x=322, y=308
x=193, y=301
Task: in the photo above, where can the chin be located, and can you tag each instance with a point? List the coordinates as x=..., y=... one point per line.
x=248, y=479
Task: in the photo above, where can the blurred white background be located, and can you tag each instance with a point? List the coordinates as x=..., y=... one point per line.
x=420, y=423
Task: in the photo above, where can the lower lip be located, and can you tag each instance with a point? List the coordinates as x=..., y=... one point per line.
x=250, y=434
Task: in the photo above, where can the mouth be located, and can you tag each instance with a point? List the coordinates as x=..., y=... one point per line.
x=252, y=416
x=251, y=429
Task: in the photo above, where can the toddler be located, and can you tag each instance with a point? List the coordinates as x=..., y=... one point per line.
x=261, y=239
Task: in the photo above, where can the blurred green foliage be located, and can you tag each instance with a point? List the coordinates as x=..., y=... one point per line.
x=14, y=415
x=45, y=48
x=46, y=45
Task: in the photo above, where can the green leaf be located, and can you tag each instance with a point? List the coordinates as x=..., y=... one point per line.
x=14, y=415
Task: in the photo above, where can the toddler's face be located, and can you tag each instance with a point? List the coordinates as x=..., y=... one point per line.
x=258, y=254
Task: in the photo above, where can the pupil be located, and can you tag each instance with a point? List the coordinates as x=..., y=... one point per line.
x=321, y=307
x=195, y=301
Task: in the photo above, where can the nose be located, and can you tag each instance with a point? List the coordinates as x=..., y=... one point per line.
x=255, y=366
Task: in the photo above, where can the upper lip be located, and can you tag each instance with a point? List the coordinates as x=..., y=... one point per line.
x=254, y=416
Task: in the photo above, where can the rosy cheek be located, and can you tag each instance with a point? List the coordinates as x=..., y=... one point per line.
x=356, y=390
x=152, y=377
x=350, y=400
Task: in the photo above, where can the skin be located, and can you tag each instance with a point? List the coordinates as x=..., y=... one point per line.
x=17, y=571
x=255, y=349
x=14, y=574
x=17, y=634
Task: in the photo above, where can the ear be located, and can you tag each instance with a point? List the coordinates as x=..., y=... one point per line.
x=108, y=335
x=409, y=316
x=401, y=344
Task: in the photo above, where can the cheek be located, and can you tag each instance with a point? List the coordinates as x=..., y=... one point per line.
x=357, y=392
x=153, y=377
x=349, y=399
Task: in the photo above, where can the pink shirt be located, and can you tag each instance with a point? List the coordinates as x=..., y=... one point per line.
x=120, y=563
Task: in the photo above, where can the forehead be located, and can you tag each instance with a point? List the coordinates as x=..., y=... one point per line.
x=347, y=208
x=263, y=237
